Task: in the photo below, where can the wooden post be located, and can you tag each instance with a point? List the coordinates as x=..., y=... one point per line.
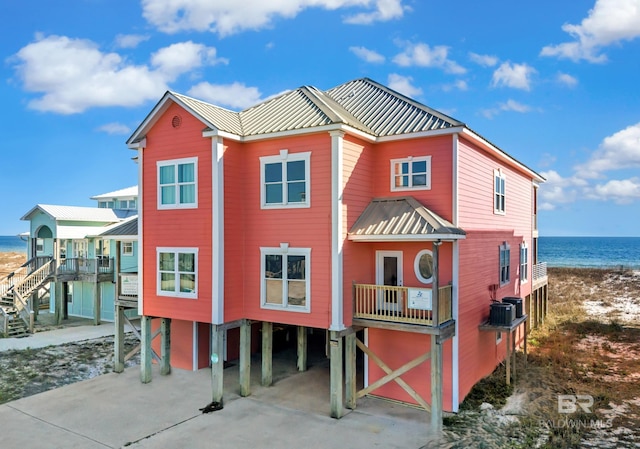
x=145, y=349
x=59, y=292
x=96, y=300
x=435, y=297
x=436, y=385
x=217, y=363
x=508, y=357
x=302, y=348
x=525, y=341
x=335, y=348
x=165, y=346
x=245, y=358
x=350, y=371
x=513, y=353
x=267, y=353
x=118, y=365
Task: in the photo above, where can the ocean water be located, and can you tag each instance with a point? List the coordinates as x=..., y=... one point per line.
x=12, y=244
x=598, y=252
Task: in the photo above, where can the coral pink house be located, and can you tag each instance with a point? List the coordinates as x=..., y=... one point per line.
x=354, y=210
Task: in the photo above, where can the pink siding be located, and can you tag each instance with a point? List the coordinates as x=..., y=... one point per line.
x=300, y=228
x=179, y=227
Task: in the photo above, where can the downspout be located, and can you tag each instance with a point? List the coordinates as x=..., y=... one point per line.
x=455, y=281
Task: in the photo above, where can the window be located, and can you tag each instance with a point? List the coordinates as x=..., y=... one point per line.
x=177, y=182
x=524, y=262
x=285, y=180
x=412, y=173
x=39, y=245
x=285, y=278
x=499, y=192
x=423, y=266
x=177, y=272
x=126, y=248
x=505, y=264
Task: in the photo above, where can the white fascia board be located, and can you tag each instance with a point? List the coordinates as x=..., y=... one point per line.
x=455, y=343
x=406, y=238
x=317, y=129
x=140, y=236
x=337, y=238
x=137, y=146
x=218, y=133
x=417, y=135
x=498, y=153
x=217, y=230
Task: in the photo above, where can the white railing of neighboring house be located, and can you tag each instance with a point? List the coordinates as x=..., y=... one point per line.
x=539, y=271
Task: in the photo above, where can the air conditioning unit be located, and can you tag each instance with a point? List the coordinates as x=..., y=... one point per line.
x=517, y=302
x=502, y=314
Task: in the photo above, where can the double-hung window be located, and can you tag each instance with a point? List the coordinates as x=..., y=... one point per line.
x=524, y=262
x=177, y=272
x=177, y=183
x=285, y=278
x=126, y=248
x=505, y=264
x=412, y=173
x=285, y=180
x=499, y=196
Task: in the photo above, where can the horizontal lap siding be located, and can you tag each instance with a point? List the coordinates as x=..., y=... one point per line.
x=178, y=227
x=358, y=258
x=236, y=183
x=300, y=228
x=439, y=198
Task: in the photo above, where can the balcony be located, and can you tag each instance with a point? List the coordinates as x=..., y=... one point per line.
x=376, y=304
x=82, y=269
x=539, y=275
x=127, y=290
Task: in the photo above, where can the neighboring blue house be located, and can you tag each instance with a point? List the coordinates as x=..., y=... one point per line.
x=84, y=243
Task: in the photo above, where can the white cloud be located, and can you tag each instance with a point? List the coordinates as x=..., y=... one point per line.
x=403, y=84
x=618, y=151
x=130, y=40
x=509, y=105
x=459, y=85
x=73, y=75
x=235, y=95
x=483, y=60
x=421, y=55
x=517, y=76
x=184, y=56
x=115, y=128
x=367, y=55
x=558, y=190
x=226, y=17
x=609, y=22
x=619, y=191
x=567, y=80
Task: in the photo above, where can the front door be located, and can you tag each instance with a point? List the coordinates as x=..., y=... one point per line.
x=389, y=272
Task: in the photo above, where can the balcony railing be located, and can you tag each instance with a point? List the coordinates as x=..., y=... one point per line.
x=388, y=303
x=101, y=265
x=539, y=271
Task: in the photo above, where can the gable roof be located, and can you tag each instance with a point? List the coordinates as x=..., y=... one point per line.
x=402, y=219
x=126, y=192
x=127, y=228
x=77, y=213
x=362, y=105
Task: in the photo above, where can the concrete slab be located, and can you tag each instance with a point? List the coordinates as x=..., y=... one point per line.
x=116, y=410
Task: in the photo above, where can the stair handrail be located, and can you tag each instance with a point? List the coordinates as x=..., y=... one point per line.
x=19, y=274
x=24, y=309
x=34, y=279
x=5, y=321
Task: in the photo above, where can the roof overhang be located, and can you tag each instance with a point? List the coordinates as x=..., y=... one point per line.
x=402, y=219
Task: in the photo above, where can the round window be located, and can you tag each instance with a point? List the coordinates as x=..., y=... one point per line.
x=424, y=266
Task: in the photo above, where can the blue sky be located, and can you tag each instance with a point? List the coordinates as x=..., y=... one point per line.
x=553, y=83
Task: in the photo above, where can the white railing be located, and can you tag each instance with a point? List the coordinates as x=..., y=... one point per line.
x=390, y=303
x=24, y=309
x=539, y=271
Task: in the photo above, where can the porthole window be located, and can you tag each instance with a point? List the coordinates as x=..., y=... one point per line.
x=423, y=266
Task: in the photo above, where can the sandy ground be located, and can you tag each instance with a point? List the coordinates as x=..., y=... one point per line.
x=10, y=262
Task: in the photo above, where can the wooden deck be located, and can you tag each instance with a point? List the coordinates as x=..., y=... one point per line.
x=85, y=269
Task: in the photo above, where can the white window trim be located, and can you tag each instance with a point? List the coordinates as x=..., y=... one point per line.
x=410, y=159
x=284, y=250
x=284, y=157
x=524, y=274
x=175, y=162
x=176, y=294
x=416, y=267
x=124, y=245
x=499, y=174
x=504, y=247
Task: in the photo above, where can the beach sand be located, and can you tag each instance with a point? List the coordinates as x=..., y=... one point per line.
x=10, y=262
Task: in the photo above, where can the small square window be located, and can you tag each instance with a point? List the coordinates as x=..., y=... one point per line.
x=127, y=248
x=177, y=272
x=285, y=180
x=177, y=184
x=413, y=173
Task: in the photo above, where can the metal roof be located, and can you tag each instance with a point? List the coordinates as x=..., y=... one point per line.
x=222, y=119
x=401, y=218
x=126, y=192
x=76, y=213
x=128, y=227
x=77, y=232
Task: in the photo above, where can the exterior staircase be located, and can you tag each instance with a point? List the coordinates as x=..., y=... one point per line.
x=16, y=308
